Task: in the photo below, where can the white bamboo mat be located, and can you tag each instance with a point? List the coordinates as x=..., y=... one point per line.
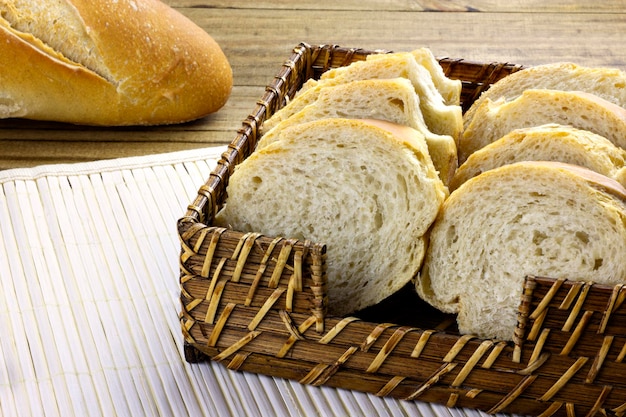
x=89, y=302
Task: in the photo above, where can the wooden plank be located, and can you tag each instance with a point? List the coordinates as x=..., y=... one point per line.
x=258, y=37
x=528, y=38
x=534, y=6
x=22, y=154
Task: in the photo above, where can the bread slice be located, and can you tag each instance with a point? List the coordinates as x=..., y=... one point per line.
x=440, y=117
x=538, y=218
x=366, y=189
x=449, y=89
x=393, y=100
x=551, y=142
x=607, y=83
x=494, y=119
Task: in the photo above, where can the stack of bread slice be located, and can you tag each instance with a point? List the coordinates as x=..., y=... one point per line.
x=358, y=161
x=540, y=191
x=405, y=87
x=365, y=160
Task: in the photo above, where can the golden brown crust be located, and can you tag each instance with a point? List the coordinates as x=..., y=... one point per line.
x=607, y=184
x=162, y=69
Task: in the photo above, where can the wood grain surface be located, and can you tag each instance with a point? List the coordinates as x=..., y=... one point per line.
x=257, y=36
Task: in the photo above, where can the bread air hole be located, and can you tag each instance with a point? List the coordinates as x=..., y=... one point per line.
x=538, y=237
x=452, y=236
x=397, y=103
x=582, y=236
x=598, y=264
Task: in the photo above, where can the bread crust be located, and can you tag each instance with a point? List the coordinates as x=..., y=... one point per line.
x=161, y=68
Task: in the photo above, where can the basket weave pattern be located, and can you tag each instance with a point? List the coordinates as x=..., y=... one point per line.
x=257, y=303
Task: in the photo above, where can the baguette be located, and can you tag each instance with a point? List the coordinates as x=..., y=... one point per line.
x=120, y=62
x=440, y=117
x=393, y=100
x=607, y=83
x=527, y=218
x=549, y=142
x=366, y=189
x=494, y=119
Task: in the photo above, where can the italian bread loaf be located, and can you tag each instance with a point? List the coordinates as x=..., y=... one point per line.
x=551, y=142
x=440, y=117
x=366, y=189
x=117, y=62
x=607, y=83
x=540, y=218
x=393, y=100
x=494, y=119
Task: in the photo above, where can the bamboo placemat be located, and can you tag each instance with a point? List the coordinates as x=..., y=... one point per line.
x=89, y=302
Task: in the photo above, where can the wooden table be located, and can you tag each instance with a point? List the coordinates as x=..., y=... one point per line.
x=257, y=36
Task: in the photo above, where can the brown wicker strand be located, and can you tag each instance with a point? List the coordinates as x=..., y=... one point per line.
x=495, y=352
x=622, y=354
x=610, y=308
x=208, y=258
x=269, y=302
x=596, y=366
x=571, y=295
x=538, y=349
x=421, y=343
x=430, y=382
x=216, y=294
x=237, y=361
x=562, y=381
x=281, y=262
x=329, y=371
x=391, y=343
x=219, y=325
x=511, y=396
x=236, y=346
x=458, y=346
x=260, y=271
x=374, y=335
x=471, y=363
x=390, y=386
x=553, y=408
x=248, y=241
x=328, y=337
x=547, y=298
x=535, y=330
x=577, y=333
x=621, y=410
x=294, y=337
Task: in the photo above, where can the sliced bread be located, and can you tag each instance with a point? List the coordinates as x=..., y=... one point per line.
x=494, y=119
x=393, y=100
x=449, y=89
x=440, y=117
x=551, y=142
x=607, y=83
x=366, y=189
x=537, y=218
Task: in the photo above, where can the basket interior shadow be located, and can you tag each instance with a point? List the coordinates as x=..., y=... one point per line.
x=257, y=303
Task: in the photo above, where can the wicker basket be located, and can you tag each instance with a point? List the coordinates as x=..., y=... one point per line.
x=257, y=303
